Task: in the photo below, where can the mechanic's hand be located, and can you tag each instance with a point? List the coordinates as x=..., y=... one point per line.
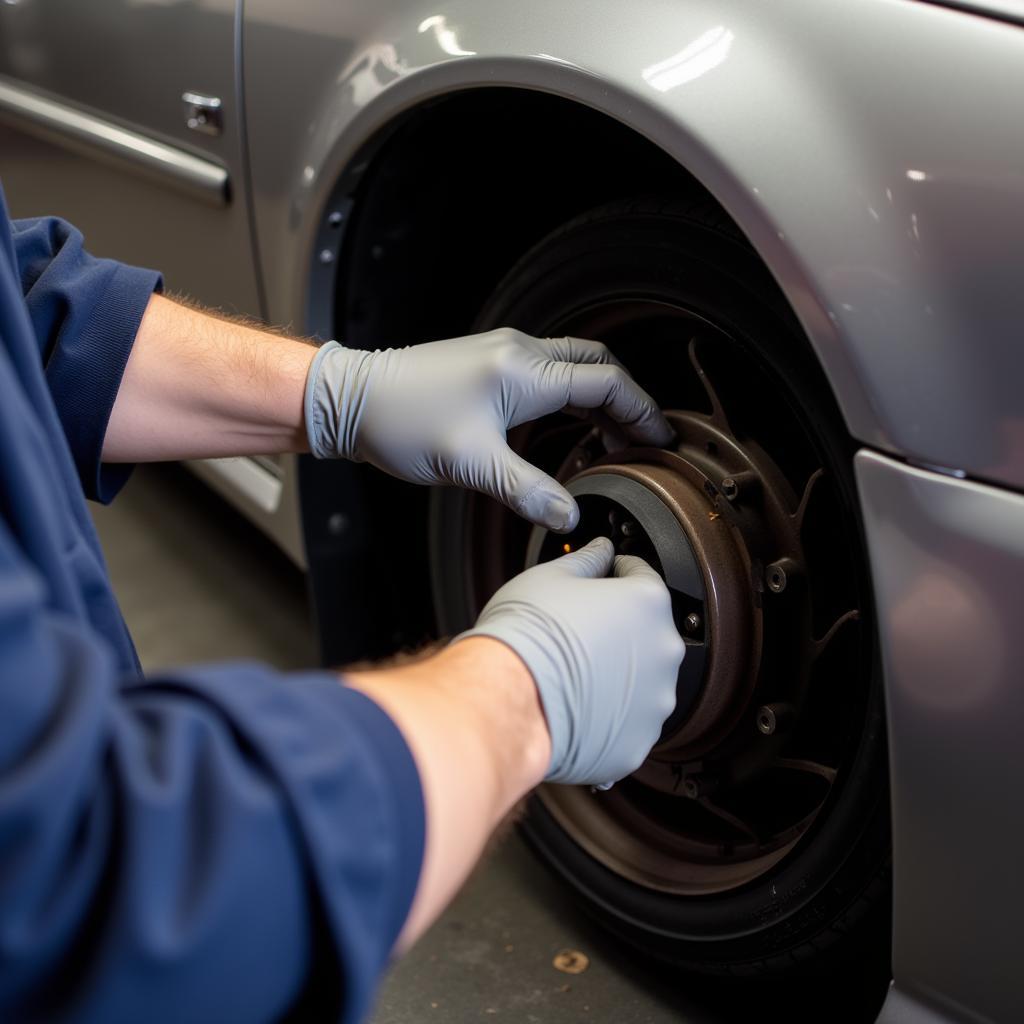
x=437, y=413
x=603, y=651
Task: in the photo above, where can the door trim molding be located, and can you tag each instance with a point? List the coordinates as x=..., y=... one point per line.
x=93, y=136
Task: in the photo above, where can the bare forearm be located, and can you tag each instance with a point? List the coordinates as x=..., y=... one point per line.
x=197, y=386
x=473, y=721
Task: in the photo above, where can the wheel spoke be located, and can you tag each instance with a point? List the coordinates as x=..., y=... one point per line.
x=718, y=416
x=801, y=510
x=722, y=814
x=797, y=764
x=819, y=646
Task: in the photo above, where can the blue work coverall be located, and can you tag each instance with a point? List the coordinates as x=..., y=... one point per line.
x=219, y=843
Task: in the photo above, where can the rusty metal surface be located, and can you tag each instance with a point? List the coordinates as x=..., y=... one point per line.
x=740, y=519
x=732, y=635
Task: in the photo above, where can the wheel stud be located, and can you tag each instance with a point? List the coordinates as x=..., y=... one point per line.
x=738, y=485
x=692, y=622
x=696, y=786
x=777, y=574
x=772, y=717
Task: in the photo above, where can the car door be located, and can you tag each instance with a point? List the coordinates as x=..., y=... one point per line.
x=94, y=127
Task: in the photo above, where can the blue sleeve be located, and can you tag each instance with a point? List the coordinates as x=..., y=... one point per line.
x=220, y=844
x=85, y=313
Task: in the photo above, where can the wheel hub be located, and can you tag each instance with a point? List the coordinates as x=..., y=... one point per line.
x=747, y=760
x=713, y=520
x=656, y=505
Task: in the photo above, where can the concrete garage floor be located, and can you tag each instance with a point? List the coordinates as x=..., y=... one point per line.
x=197, y=583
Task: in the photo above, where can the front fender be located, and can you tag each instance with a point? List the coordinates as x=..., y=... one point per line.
x=871, y=151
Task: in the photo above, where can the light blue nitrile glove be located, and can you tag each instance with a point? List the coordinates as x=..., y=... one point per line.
x=438, y=413
x=603, y=650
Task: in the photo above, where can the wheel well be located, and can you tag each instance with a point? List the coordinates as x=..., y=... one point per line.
x=439, y=208
x=461, y=188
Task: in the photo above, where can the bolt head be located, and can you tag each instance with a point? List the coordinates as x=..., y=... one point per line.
x=775, y=577
x=766, y=721
x=729, y=489
x=692, y=622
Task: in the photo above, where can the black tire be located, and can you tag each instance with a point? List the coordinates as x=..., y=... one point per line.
x=834, y=885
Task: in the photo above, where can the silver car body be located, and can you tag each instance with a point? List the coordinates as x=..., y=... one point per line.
x=872, y=151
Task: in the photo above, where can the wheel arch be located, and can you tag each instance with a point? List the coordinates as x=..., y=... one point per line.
x=814, y=126
x=655, y=151
x=396, y=250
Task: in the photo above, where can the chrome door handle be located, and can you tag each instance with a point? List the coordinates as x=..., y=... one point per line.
x=202, y=113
